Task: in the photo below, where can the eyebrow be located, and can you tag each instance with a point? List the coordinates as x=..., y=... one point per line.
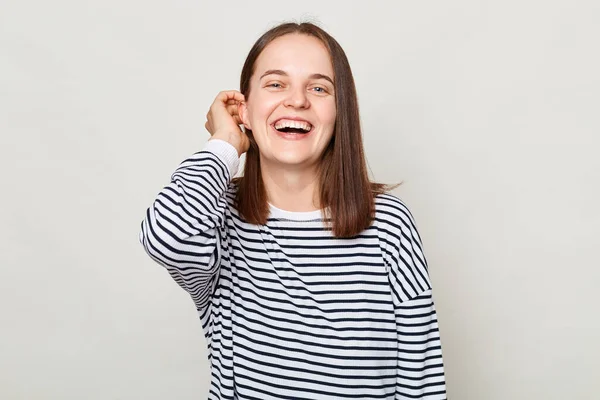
x=283, y=73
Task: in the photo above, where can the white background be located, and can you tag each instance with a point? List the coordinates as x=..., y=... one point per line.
x=488, y=111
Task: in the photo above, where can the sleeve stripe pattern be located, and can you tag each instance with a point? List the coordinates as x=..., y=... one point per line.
x=181, y=230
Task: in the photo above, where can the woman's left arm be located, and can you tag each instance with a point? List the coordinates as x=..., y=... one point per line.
x=420, y=373
x=420, y=370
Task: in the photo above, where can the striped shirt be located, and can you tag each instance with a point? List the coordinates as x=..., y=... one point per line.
x=288, y=310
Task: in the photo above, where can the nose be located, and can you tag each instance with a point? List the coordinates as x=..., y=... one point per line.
x=297, y=98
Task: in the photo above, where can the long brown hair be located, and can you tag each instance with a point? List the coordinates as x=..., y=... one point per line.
x=345, y=188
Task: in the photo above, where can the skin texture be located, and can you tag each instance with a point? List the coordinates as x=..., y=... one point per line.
x=289, y=167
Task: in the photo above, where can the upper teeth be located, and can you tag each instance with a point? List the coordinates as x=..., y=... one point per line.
x=287, y=123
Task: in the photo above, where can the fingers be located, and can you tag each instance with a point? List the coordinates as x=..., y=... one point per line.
x=235, y=116
x=228, y=95
x=223, y=111
x=233, y=109
x=208, y=123
x=229, y=99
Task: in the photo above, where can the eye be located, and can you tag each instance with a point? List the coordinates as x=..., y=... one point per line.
x=321, y=89
x=274, y=83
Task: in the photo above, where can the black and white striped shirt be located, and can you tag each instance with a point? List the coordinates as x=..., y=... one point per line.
x=288, y=310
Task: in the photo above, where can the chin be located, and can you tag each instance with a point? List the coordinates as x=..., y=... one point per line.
x=291, y=158
x=290, y=153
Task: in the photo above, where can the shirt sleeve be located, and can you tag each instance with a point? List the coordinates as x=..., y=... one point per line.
x=185, y=229
x=420, y=371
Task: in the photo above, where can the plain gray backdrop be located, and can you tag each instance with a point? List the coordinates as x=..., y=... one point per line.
x=488, y=111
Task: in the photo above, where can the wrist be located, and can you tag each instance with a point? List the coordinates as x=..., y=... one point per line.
x=225, y=151
x=231, y=138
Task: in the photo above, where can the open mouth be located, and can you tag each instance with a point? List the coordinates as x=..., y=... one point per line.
x=297, y=131
x=287, y=127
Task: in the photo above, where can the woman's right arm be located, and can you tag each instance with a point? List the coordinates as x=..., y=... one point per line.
x=185, y=226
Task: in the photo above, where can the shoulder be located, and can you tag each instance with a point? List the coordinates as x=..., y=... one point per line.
x=401, y=247
x=393, y=213
x=396, y=226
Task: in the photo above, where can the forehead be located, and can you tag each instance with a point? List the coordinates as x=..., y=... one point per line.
x=296, y=54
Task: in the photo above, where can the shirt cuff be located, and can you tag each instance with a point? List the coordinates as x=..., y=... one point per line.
x=226, y=153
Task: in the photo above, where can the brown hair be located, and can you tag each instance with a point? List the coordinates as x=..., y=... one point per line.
x=344, y=183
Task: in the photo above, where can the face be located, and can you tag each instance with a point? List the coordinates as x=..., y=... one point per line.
x=291, y=92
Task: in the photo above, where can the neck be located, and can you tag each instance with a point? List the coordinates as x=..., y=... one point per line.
x=291, y=189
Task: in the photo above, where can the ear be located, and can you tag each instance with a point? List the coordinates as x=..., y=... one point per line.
x=243, y=113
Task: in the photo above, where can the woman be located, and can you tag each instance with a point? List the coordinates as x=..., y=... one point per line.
x=309, y=279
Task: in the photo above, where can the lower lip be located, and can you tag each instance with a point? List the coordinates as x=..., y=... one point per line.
x=292, y=136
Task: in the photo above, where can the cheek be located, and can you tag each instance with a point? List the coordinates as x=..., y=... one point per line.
x=261, y=110
x=328, y=109
x=333, y=116
x=330, y=115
